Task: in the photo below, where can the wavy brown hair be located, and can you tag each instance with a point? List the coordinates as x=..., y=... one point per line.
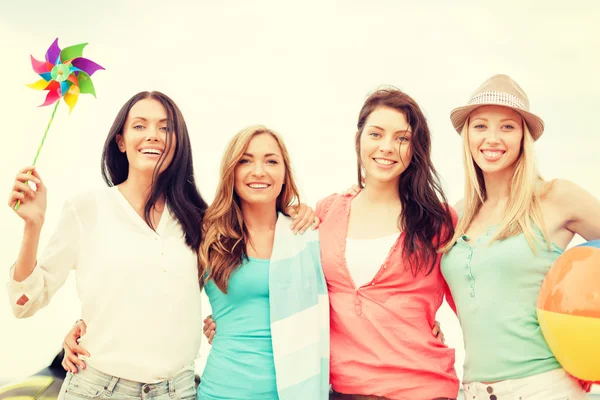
x=225, y=236
x=425, y=217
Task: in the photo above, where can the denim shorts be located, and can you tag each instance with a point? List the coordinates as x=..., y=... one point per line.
x=90, y=383
x=551, y=385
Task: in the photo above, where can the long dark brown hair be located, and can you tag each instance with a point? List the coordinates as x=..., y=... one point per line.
x=176, y=183
x=425, y=218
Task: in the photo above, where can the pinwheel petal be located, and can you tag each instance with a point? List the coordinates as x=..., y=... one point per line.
x=39, y=66
x=53, y=52
x=53, y=85
x=73, y=79
x=85, y=84
x=39, y=85
x=71, y=52
x=51, y=98
x=71, y=100
x=86, y=65
x=64, y=87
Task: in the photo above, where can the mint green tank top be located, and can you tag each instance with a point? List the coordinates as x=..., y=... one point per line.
x=495, y=287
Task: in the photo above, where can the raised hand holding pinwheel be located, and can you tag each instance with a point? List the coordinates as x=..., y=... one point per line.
x=65, y=74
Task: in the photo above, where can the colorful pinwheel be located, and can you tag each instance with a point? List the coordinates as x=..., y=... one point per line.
x=66, y=74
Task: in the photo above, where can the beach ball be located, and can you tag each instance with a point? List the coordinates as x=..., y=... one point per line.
x=568, y=310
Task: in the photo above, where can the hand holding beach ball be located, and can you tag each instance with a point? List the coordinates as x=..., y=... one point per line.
x=568, y=310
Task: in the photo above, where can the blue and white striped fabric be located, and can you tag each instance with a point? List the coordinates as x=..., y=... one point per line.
x=299, y=315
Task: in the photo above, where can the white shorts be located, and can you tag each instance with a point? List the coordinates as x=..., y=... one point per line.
x=551, y=385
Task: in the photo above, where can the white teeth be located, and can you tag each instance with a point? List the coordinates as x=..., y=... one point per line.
x=151, y=151
x=492, y=154
x=258, y=186
x=384, y=161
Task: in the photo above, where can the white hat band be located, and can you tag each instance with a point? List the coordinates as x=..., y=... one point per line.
x=498, y=98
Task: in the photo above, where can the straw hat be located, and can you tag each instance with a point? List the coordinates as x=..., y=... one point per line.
x=499, y=90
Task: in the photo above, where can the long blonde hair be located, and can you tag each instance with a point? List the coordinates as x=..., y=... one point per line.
x=523, y=210
x=225, y=236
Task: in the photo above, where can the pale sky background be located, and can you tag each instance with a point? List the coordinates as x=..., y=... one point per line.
x=302, y=68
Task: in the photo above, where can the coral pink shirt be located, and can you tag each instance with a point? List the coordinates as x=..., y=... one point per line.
x=381, y=340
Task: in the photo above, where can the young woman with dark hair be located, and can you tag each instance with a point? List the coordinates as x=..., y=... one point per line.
x=175, y=185
x=380, y=258
x=134, y=247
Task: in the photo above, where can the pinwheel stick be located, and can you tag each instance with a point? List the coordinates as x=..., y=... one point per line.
x=40, y=146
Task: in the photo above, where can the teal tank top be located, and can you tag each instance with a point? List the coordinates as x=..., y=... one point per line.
x=240, y=364
x=495, y=287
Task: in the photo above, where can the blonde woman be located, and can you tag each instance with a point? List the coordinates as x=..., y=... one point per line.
x=265, y=284
x=513, y=226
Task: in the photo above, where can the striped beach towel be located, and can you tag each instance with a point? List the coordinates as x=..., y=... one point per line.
x=299, y=315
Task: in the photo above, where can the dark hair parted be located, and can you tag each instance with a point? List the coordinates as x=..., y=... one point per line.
x=176, y=183
x=425, y=218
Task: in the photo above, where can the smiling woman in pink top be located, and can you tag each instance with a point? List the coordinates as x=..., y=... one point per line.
x=379, y=251
x=379, y=255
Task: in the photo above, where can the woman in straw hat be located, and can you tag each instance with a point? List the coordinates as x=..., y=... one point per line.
x=513, y=226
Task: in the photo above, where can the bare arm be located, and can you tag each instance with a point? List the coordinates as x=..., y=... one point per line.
x=581, y=210
x=32, y=210
x=27, y=254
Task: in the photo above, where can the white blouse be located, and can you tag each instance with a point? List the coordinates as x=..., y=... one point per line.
x=139, y=290
x=364, y=257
